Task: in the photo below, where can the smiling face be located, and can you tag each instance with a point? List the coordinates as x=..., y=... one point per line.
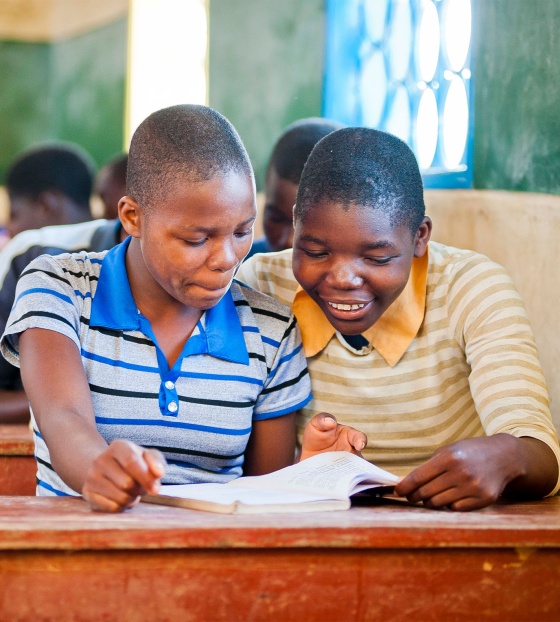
x=354, y=263
x=186, y=251
x=277, y=218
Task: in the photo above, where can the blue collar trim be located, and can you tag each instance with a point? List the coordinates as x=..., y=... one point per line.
x=113, y=307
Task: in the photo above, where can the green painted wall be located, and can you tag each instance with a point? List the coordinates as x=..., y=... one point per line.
x=517, y=95
x=266, y=67
x=70, y=90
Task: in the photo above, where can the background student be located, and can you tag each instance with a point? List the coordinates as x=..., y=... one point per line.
x=150, y=352
x=110, y=185
x=47, y=185
x=425, y=348
x=282, y=179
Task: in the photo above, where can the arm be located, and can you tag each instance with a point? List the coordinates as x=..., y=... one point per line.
x=519, y=456
x=271, y=445
x=110, y=477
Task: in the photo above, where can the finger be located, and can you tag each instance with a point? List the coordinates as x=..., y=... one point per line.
x=356, y=439
x=157, y=466
x=324, y=422
x=97, y=486
x=421, y=476
x=131, y=459
x=113, y=501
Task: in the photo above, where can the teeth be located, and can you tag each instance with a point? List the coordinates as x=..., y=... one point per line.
x=346, y=307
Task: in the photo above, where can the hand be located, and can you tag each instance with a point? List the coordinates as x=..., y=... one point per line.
x=121, y=475
x=466, y=475
x=323, y=433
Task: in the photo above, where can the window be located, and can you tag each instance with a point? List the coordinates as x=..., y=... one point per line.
x=168, y=44
x=404, y=66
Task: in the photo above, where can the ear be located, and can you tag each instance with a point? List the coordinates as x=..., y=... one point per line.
x=130, y=216
x=422, y=237
x=294, y=215
x=50, y=205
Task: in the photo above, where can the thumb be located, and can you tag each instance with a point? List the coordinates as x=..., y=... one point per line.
x=324, y=422
x=156, y=462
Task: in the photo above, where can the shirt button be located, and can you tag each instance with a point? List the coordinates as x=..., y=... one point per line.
x=169, y=385
x=173, y=407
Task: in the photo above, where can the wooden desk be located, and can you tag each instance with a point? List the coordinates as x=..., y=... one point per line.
x=59, y=561
x=17, y=464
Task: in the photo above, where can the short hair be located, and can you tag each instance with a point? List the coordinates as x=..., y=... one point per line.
x=362, y=166
x=61, y=167
x=296, y=142
x=190, y=141
x=116, y=167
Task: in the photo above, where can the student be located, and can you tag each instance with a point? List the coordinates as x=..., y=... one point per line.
x=425, y=348
x=151, y=350
x=282, y=179
x=93, y=235
x=49, y=185
x=110, y=185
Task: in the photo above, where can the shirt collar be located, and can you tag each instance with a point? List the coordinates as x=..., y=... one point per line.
x=113, y=307
x=393, y=332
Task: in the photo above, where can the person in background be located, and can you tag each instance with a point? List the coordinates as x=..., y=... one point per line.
x=110, y=185
x=46, y=185
x=49, y=185
x=282, y=180
x=424, y=347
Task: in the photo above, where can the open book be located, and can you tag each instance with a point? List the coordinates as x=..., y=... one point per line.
x=324, y=482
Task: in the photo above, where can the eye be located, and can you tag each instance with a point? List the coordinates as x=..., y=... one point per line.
x=315, y=254
x=195, y=242
x=243, y=234
x=378, y=261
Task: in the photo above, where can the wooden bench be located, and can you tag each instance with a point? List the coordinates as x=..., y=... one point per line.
x=60, y=561
x=17, y=464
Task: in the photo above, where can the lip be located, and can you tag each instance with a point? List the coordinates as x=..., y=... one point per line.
x=348, y=314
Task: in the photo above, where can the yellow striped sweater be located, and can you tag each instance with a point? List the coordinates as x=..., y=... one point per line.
x=468, y=368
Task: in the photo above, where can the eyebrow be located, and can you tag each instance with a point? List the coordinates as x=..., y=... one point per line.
x=378, y=244
x=211, y=229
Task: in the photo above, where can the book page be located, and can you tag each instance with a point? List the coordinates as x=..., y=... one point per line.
x=335, y=475
x=225, y=494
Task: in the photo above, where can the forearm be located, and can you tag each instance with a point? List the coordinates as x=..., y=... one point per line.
x=14, y=406
x=74, y=443
x=539, y=470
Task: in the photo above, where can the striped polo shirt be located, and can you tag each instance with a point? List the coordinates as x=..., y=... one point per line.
x=453, y=358
x=243, y=362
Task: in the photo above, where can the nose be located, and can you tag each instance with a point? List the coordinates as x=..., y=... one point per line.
x=343, y=275
x=223, y=256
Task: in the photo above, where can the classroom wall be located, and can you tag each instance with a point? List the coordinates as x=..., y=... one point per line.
x=517, y=95
x=70, y=88
x=266, y=67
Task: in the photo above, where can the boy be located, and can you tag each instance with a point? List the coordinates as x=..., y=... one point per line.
x=150, y=348
x=282, y=179
x=423, y=347
x=48, y=185
x=110, y=185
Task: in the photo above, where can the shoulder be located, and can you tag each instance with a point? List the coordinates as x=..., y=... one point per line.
x=28, y=245
x=272, y=274
x=463, y=268
x=72, y=267
x=270, y=316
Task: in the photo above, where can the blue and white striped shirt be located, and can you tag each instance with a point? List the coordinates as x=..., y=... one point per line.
x=243, y=362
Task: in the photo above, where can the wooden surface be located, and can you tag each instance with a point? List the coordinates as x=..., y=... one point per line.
x=60, y=561
x=17, y=464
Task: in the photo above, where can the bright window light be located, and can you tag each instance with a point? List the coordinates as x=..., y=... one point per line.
x=400, y=39
x=168, y=47
x=373, y=88
x=427, y=122
x=399, y=120
x=427, y=42
x=456, y=32
x=455, y=123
